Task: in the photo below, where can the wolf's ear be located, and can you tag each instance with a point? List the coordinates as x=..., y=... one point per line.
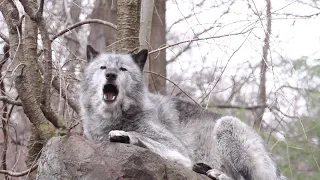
x=140, y=58
x=91, y=53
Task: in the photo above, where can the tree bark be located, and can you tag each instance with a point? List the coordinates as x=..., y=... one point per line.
x=157, y=62
x=23, y=53
x=128, y=25
x=262, y=99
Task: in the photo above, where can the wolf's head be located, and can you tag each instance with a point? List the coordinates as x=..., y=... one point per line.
x=112, y=80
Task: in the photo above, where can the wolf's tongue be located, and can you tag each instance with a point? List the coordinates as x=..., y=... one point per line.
x=110, y=96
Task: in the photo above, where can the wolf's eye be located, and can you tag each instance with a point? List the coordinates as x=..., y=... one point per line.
x=123, y=69
x=103, y=67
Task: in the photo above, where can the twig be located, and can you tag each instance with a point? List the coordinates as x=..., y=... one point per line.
x=56, y=85
x=199, y=39
x=10, y=101
x=4, y=37
x=237, y=107
x=82, y=23
x=175, y=85
x=19, y=174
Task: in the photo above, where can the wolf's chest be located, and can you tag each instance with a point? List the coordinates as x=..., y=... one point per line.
x=124, y=124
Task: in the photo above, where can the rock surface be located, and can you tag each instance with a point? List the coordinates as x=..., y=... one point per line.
x=76, y=158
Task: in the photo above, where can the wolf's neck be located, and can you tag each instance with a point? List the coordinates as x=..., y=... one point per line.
x=135, y=99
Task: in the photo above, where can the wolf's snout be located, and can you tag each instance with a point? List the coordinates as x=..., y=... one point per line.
x=111, y=76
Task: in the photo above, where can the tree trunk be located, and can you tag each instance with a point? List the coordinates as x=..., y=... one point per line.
x=23, y=53
x=262, y=99
x=100, y=36
x=128, y=25
x=145, y=29
x=157, y=62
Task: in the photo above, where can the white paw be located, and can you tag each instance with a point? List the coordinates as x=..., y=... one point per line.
x=119, y=136
x=216, y=174
x=114, y=133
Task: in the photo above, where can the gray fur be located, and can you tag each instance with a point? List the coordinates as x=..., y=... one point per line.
x=174, y=129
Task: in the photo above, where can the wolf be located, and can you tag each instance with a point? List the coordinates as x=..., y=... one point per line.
x=116, y=106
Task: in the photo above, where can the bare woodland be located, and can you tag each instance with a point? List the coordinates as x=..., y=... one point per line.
x=225, y=55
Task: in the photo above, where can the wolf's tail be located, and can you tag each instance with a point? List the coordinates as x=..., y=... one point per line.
x=242, y=152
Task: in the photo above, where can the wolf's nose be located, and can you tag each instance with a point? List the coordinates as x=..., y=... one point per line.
x=111, y=76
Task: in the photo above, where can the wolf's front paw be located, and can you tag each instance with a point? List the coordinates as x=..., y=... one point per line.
x=217, y=175
x=201, y=168
x=119, y=136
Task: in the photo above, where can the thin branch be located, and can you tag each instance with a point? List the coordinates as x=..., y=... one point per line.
x=298, y=89
x=82, y=23
x=297, y=15
x=30, y=8
x=175, y=85
x=270, y=107
x=56, y=85
x=188, y=46
x=10, y=101
x=4, y=120
x=40, y=10
x=19, y=174
x=47, y=76
x=198, y=39
x=4, y=37
x=237, y=107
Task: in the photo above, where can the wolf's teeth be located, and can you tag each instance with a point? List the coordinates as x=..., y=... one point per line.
x=113, y=97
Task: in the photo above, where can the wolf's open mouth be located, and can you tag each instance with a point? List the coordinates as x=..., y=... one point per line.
x=110, y=92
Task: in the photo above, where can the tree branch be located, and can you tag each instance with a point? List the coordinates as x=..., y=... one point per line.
x=40, y=10
x=4, y=37
x=29, y=7
x=173, y=84
x=188, y=46
x=199, y=39
x=47, y=76
x=237, y=107
x=4, y=118
x=19, y=174
x=270, y=107
x=82, y=23
x=56, y=84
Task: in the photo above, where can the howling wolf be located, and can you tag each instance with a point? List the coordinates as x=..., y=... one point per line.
x=116, y=106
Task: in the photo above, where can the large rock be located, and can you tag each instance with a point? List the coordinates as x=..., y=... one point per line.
x=75, y=157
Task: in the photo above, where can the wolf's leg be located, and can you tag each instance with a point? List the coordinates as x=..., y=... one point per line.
x=156, y=147
x=243, y=152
